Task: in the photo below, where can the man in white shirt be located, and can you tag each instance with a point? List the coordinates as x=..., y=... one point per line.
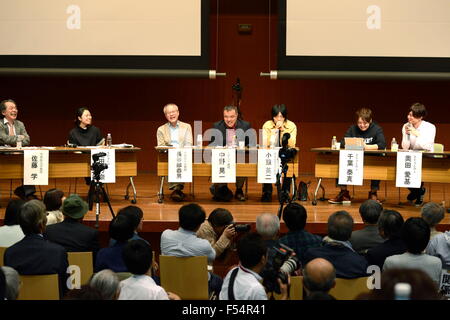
x=244, y=281
x=416, y=235
x=418, y=134
x=137, y=256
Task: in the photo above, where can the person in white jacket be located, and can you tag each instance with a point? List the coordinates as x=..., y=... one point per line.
x=418, y=134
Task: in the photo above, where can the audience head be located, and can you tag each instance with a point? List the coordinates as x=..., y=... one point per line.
x=86, y=292
x=2, y=285
x=12, y=279
x=191, y=216
x=370, y=211
x=390, y=224
x=319, y=275
x=33, y=218
x=53, y=199
x=422, y=286
x=107, y=283
x=251, y=250
x=268, y=225
x=415, y=234
x=135, y=214
x=137, y=256
x=74, y=207
x=12, y=212
x=294, y=216
x=418, y=111
x=319, y=295
x=84, y=117
x=432, y=213
x=219, y=219
x=121, y=228
x=340, y=226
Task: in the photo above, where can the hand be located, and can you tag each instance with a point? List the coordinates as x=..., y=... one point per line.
x=408, y=128
x=229, y=231
x=284, y=288
x=279, y=125
x=173, y=296
x=20, y=137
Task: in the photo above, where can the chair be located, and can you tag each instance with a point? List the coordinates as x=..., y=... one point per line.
x=295, y=290
x=2, y=253
x=349, y=289
x=437, y=148
x=84, y=261
x=185, y=276
x=39, y=287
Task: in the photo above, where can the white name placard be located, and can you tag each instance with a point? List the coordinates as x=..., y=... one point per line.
x=268, y=165
x=109, y=158
x=35, y=167
x=351, y=167
x=223, y=165
x=409, y=169
x=180, y=165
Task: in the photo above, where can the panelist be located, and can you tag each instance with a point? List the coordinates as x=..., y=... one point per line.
x=272, y=129
x=176, y=134
x=11, y=131
x=84, y=133
x=418, y=134
x=374, y=139
x=231, y=129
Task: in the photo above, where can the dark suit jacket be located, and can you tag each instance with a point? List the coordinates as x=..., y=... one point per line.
x=241, y=128
x=377, y=255
x=348, y=264
x=5, y=138
x=34, y=255
x=73, y=235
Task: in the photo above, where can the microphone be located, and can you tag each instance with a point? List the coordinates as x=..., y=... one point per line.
x=408, y=134
x=285, y=139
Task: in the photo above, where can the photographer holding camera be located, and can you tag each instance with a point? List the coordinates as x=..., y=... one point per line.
x=273, y=131
x=244, y=281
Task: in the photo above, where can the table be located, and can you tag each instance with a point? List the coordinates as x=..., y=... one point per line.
x=203, y=169
x=69, y=163
x=381, y=165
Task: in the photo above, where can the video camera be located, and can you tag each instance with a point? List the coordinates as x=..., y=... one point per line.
x=97, y=166
x=280, y=263
x=286, y=154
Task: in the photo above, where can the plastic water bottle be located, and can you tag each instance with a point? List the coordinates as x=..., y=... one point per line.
x=402, y=291
x=108, y=140
x=199, y=141
x=394, y=145
x=333, y=143
x=19, y=142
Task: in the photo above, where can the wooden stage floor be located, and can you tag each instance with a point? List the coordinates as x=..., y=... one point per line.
x=158, y=217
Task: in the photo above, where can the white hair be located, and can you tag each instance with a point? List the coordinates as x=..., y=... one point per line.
x=12, y=283
x=169, y=105
x=107, y=282
x=267, y=225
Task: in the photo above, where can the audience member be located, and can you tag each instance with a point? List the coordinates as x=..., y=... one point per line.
x=53, y=200
x=268, y=227
x=368, y=237
x=433, y=213
x=33, y=254
x=416, y=235
x=12, y=283
x=2, y=285
x=135, y=214
x=244, y=282
x=319, y=275
x=337, y=248
x=11, y=232
x=439, y=246
x=297, y=238
x=107, y=283
x=121, y=229
x=389, y=226
x=72, y=234
x=218, y=230
x=137, y=255
x=422, y=286
x=86, y=292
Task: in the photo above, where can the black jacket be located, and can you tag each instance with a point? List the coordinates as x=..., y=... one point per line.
x=373, y=135
x=377, y=255
x=73, y=235
x=241, y=128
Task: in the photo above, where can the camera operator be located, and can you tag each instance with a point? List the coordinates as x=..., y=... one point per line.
x=218, y=230
x=244, y=281
x=272, y=131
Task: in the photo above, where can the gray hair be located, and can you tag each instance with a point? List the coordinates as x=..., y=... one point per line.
x=432, y=213
x=107, y=282
x=267, y=225
x=12, y=283
x=169, y=105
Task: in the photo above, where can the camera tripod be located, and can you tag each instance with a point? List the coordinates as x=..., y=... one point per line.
x=95, y=189
x=283, y=195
